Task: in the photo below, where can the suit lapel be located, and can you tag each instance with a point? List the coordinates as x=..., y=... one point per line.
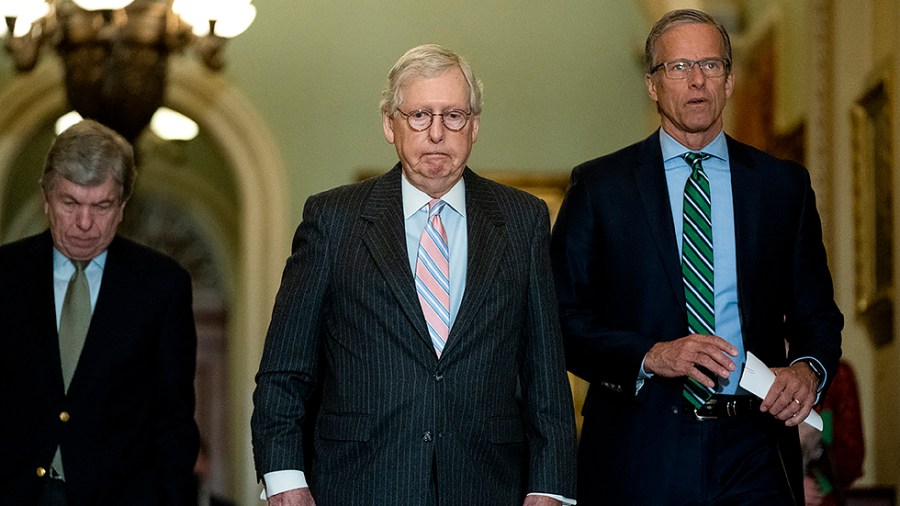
x=487, y=241
x=42, y=293
x=110, y=307
x=386, y=241
x=650, y=180
x=746, y=190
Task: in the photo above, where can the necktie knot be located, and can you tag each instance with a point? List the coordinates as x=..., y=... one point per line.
x=435, y=206
x=80, y=265
x=695, y=160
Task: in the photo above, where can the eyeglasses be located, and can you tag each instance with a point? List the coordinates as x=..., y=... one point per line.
x=681, y=69
x=420, y=120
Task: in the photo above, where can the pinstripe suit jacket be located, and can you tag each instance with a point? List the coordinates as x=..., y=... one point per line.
x=493, y=415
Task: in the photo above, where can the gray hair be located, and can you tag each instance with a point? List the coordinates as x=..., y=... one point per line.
x=87, y=154
x=680, y=17
x=429, y=60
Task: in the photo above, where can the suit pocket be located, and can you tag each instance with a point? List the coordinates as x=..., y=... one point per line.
x=505, y=430
x=349, y=427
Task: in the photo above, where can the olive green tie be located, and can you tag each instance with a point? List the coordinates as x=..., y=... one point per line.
x=74, y=321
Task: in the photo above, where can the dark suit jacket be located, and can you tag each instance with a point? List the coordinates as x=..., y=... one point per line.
x=493, y=416
x=618, y=275
x=131, y=437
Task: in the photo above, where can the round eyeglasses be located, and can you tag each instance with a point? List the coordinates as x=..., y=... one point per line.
x=681, y=69
x=420, y=119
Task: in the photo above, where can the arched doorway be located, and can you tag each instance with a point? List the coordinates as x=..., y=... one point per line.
x=255, y=214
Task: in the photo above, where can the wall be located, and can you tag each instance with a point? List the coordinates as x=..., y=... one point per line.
x=563, y=84
x=561, y=78
x=859, y=44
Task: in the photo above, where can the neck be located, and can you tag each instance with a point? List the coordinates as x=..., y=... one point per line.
x=695, y=141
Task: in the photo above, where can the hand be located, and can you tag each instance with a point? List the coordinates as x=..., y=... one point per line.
x=792, y=395
x=672, y=359
x=295, y=497
x=540, y=500
x=814, y=496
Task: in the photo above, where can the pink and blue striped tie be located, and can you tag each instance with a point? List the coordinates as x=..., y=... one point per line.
x=433, y=276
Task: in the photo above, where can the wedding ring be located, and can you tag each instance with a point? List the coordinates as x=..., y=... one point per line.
x=798, y=402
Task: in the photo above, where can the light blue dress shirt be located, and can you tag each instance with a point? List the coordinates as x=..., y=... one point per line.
x=62, y=273
x=717, y=168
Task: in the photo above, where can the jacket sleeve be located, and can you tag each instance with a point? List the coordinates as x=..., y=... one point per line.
x=288, y=371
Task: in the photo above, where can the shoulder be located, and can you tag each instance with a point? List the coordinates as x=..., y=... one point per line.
x=507, y=198
x=353, y=193
x=144, y=262
x=350, y=200
x=742, y=154
x=27, y=250
x=622, y=161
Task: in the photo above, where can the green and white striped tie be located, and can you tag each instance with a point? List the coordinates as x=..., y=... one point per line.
x=697, y=263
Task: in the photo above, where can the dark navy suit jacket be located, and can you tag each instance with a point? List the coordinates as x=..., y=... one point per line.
x=130, y=437
x=618, y=277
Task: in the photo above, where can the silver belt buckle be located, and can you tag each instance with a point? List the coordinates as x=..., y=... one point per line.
x=700, y=417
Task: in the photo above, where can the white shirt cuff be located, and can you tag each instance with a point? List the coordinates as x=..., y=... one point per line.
x=277, y=482
x=564, y=500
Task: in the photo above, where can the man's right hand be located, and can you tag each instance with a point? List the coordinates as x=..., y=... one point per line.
x=682, y=357
x=296, y=497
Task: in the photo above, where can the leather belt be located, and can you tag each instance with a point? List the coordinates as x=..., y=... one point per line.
x=724, y=406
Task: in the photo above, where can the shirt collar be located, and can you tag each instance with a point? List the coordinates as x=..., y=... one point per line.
x=415, y=199
x=60, y=260
x=673, y=149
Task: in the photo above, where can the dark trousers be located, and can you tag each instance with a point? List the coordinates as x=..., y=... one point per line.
x=729, y=462
x=53, y=493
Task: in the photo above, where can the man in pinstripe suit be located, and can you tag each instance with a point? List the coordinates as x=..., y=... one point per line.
x=482, y=415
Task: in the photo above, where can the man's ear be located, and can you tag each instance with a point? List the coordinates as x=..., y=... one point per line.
x=651, y=87
x=387, y=122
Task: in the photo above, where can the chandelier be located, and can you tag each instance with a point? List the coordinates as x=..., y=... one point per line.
x=115, y=52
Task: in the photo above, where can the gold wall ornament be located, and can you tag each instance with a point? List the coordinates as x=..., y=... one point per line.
x=873, y=167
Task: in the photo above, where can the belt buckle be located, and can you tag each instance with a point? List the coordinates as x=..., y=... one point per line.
x=699, y=417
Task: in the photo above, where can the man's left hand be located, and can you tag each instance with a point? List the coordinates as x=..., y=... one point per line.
x=792, y=395
x=540, y=500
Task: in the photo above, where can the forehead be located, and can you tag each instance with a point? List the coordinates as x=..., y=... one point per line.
x=106, y=191
x=691, y=41
x=446, y=89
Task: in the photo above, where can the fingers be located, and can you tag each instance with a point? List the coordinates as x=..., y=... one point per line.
x=689, y=355
x=791, y=396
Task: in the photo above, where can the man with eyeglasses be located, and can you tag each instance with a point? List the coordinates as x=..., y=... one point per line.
x=674, y=258
x=420, y=305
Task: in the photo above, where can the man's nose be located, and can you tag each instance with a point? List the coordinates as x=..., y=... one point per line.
x=84, y=218
x=437, y=129
x=696, y=78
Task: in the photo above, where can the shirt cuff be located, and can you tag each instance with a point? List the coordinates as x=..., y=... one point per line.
x=564, y=500
x=824, y=379
x=277, y=482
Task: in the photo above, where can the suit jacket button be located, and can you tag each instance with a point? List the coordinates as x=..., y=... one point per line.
x=438, y=376
x=427, y=436
x=40, y=472
x=64, y=416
